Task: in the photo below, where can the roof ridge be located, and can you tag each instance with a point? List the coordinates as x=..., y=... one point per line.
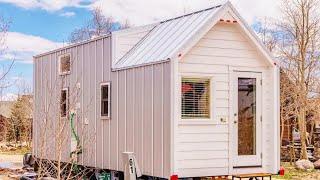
x=192, y=13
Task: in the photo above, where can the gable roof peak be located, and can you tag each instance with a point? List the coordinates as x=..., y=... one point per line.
x=175, y=37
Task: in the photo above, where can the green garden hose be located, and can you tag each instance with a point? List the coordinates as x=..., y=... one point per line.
x=74, y=135
x=78, y=149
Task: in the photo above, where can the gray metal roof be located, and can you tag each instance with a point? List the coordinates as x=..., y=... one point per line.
x=165, y=39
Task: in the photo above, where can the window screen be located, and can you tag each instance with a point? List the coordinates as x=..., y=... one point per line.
x=195, y=98
x=105, y=100
x=64, y=103
x=65, y=64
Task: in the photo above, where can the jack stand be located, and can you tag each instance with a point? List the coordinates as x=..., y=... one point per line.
x=131, y=168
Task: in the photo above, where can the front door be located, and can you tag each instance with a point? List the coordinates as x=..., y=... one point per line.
x=247, y=119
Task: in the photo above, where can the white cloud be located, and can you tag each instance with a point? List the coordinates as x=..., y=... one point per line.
x=68, y=14
x=49, y=5
x=140, y=12
x=149, y=11
x=22, y=47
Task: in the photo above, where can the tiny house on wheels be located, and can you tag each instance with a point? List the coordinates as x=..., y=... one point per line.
x=192, y=96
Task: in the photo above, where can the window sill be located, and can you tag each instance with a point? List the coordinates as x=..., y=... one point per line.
x=64, y=73
x=197, y=122
x=104, y=118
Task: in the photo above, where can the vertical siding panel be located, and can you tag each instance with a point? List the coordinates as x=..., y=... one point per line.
x=138, y=98
x=81, y=95
x=99, y=122
x=50, y=99
x=166, y=119
x=92, y=100
x=114, y=121
x=122, y=116
x=158, y=118
x=86, y=102
x=41, y=107
x=43, y=135
x=147, y=124
x=67, y=129
x=129, y=109
x=36, y=105
x=34, y=113
x=106, y=67
x=77, y=80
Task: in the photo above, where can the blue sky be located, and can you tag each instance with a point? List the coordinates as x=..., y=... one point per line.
x=53, y=26
x=41, y=25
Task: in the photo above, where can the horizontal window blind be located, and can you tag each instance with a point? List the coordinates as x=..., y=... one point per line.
x=195, y=100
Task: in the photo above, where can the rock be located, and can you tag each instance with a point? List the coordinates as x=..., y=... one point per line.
x=316, y=153
x=304, y=164
x=317, y=164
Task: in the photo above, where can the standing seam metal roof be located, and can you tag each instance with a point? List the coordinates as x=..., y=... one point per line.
x=165, y=39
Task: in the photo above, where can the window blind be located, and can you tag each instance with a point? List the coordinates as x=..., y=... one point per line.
x=195, y=100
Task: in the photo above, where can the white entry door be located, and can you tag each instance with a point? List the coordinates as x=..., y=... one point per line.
x=247, y=119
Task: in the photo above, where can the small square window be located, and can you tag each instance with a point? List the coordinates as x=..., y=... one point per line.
x=64, y=103
x=105, y=100
x=195, y=98
x=64, y=64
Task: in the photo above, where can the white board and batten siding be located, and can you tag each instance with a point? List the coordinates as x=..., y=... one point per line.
x=140, y=109
x=203, y=147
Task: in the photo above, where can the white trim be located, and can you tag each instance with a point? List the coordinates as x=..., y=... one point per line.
x=109, y=100
x=59, y=64
x=174, y=115
x=276, y=117
x=230, y=125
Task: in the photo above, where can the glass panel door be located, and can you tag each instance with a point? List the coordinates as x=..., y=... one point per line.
x=247, y=116
x=247, y=133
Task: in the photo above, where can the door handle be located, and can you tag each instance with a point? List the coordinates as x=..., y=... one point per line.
x=235, y=122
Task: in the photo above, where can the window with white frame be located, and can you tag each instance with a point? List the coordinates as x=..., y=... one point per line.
x=64, y=102
x=105, y=100
x=195, y=98
x=64, y=64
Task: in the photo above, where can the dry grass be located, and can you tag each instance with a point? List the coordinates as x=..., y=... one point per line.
x=292, y=173
x=15, y=151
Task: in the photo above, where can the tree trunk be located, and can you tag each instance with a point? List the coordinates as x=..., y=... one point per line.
x=282, y=130
x=302, y=130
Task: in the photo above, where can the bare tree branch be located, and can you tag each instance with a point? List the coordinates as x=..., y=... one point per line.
x=97, y=26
